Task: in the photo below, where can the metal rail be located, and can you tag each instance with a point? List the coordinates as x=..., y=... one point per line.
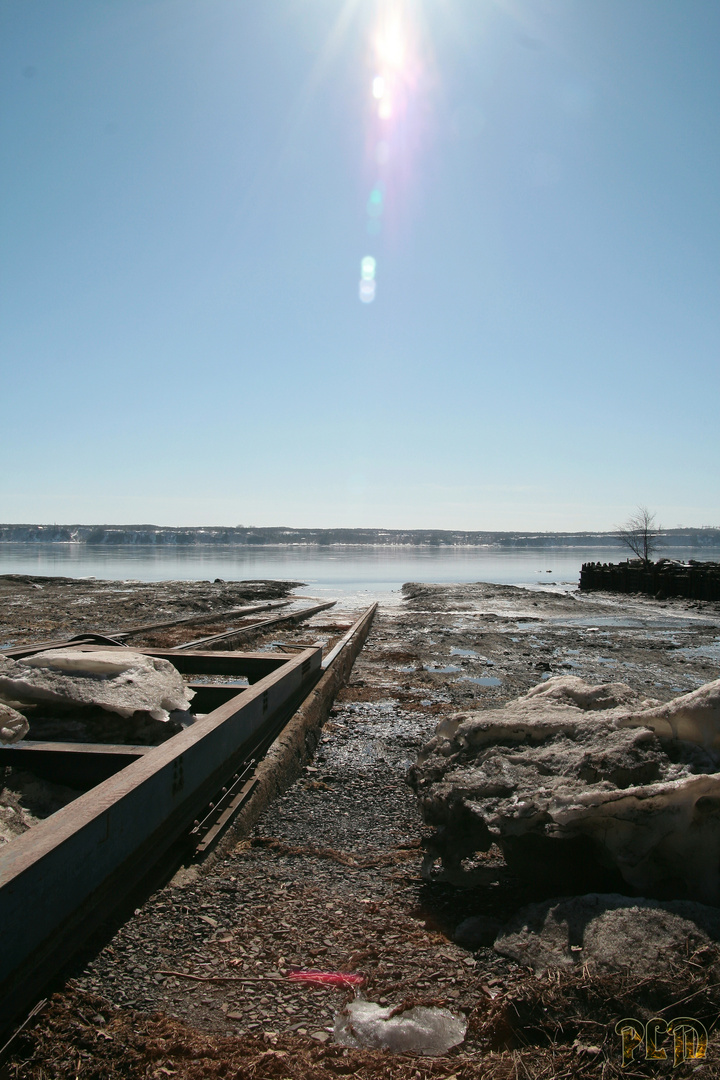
x=253, y=628
x=365, y=619
x=119, y=636
x=232, y=799
x=59, y=879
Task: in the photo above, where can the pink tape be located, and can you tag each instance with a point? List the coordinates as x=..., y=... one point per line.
x=332, y=978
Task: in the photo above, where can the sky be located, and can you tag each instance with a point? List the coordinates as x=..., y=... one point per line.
x=362, y=263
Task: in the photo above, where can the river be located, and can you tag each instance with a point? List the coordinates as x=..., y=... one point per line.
x=326, y=571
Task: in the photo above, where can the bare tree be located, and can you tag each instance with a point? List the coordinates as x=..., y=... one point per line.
x=640, y=533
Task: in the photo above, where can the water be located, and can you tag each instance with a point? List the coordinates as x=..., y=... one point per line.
x=358, y=571
x=484, y=680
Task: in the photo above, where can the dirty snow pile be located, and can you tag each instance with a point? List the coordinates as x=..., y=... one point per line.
x=608, y=933
x=13, y=725
x=575, y=775
x=419, y=1030
x=122, y=682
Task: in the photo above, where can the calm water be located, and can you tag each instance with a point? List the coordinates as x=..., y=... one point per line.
x=346, y=571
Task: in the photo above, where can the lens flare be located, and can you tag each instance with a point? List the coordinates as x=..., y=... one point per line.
x=400, y=74
x=367, y=268
x=375, y=204
x=366, y=291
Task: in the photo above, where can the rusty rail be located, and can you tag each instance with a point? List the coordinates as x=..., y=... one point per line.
x=19, y=651
x=257, y=627
x=59, y=879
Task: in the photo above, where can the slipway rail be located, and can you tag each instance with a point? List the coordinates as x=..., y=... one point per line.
x=257, y=627
x=120, y=636
x=59, y=880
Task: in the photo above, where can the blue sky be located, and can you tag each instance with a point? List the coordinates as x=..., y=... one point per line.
x=186, y=201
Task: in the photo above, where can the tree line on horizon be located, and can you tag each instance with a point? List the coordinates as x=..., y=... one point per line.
x=639, y=533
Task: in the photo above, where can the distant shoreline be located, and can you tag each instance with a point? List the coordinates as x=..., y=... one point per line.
x=112, y=536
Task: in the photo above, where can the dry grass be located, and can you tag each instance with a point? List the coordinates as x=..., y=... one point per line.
x=560, y=1027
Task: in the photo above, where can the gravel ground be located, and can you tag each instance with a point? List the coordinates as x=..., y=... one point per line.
x=330, y=877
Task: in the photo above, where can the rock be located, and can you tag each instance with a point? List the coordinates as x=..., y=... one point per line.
x=608, y=933
x=583, y=787
x=476, y=931
x=122, y=683
x=13, y=725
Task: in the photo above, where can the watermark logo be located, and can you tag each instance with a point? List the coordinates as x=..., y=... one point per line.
x=689, y=1039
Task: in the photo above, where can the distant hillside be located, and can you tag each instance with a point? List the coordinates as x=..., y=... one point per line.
x=120, y=535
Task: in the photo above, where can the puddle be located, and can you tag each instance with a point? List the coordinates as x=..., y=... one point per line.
x=485, y=680
x=702, y=652
x=463, y=652
x=449, y=669
x=628, y=622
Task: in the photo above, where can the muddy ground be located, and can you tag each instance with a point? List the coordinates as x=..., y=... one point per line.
x=34, y=608
x=194, y=983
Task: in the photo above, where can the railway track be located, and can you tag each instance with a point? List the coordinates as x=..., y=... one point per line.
x=121, y=637
x=152, y=806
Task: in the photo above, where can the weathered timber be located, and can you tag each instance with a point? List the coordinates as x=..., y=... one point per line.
x=691, y=580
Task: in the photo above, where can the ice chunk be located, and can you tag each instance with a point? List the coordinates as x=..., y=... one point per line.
x=693, y=717
x=123, y=682
x=82, y=663
x=13, y=725
x=580, y=786
x=424, y=1030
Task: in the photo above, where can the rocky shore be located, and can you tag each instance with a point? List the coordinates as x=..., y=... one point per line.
x=194, y=980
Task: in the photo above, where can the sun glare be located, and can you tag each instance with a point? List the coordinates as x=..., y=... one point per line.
x=390, y=43
x=397, y=65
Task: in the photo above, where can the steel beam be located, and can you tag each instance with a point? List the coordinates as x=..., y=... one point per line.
x=59, y=880
x=78, y=765
x=18, y=651
x=253, y=628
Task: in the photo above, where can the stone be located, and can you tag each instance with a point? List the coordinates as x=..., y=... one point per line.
x=13, y=725
x=583, y=787
x=609, y=933
x=121, y=682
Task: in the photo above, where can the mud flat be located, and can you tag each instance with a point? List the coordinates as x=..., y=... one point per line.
x=34, y=608
x=194, y=982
